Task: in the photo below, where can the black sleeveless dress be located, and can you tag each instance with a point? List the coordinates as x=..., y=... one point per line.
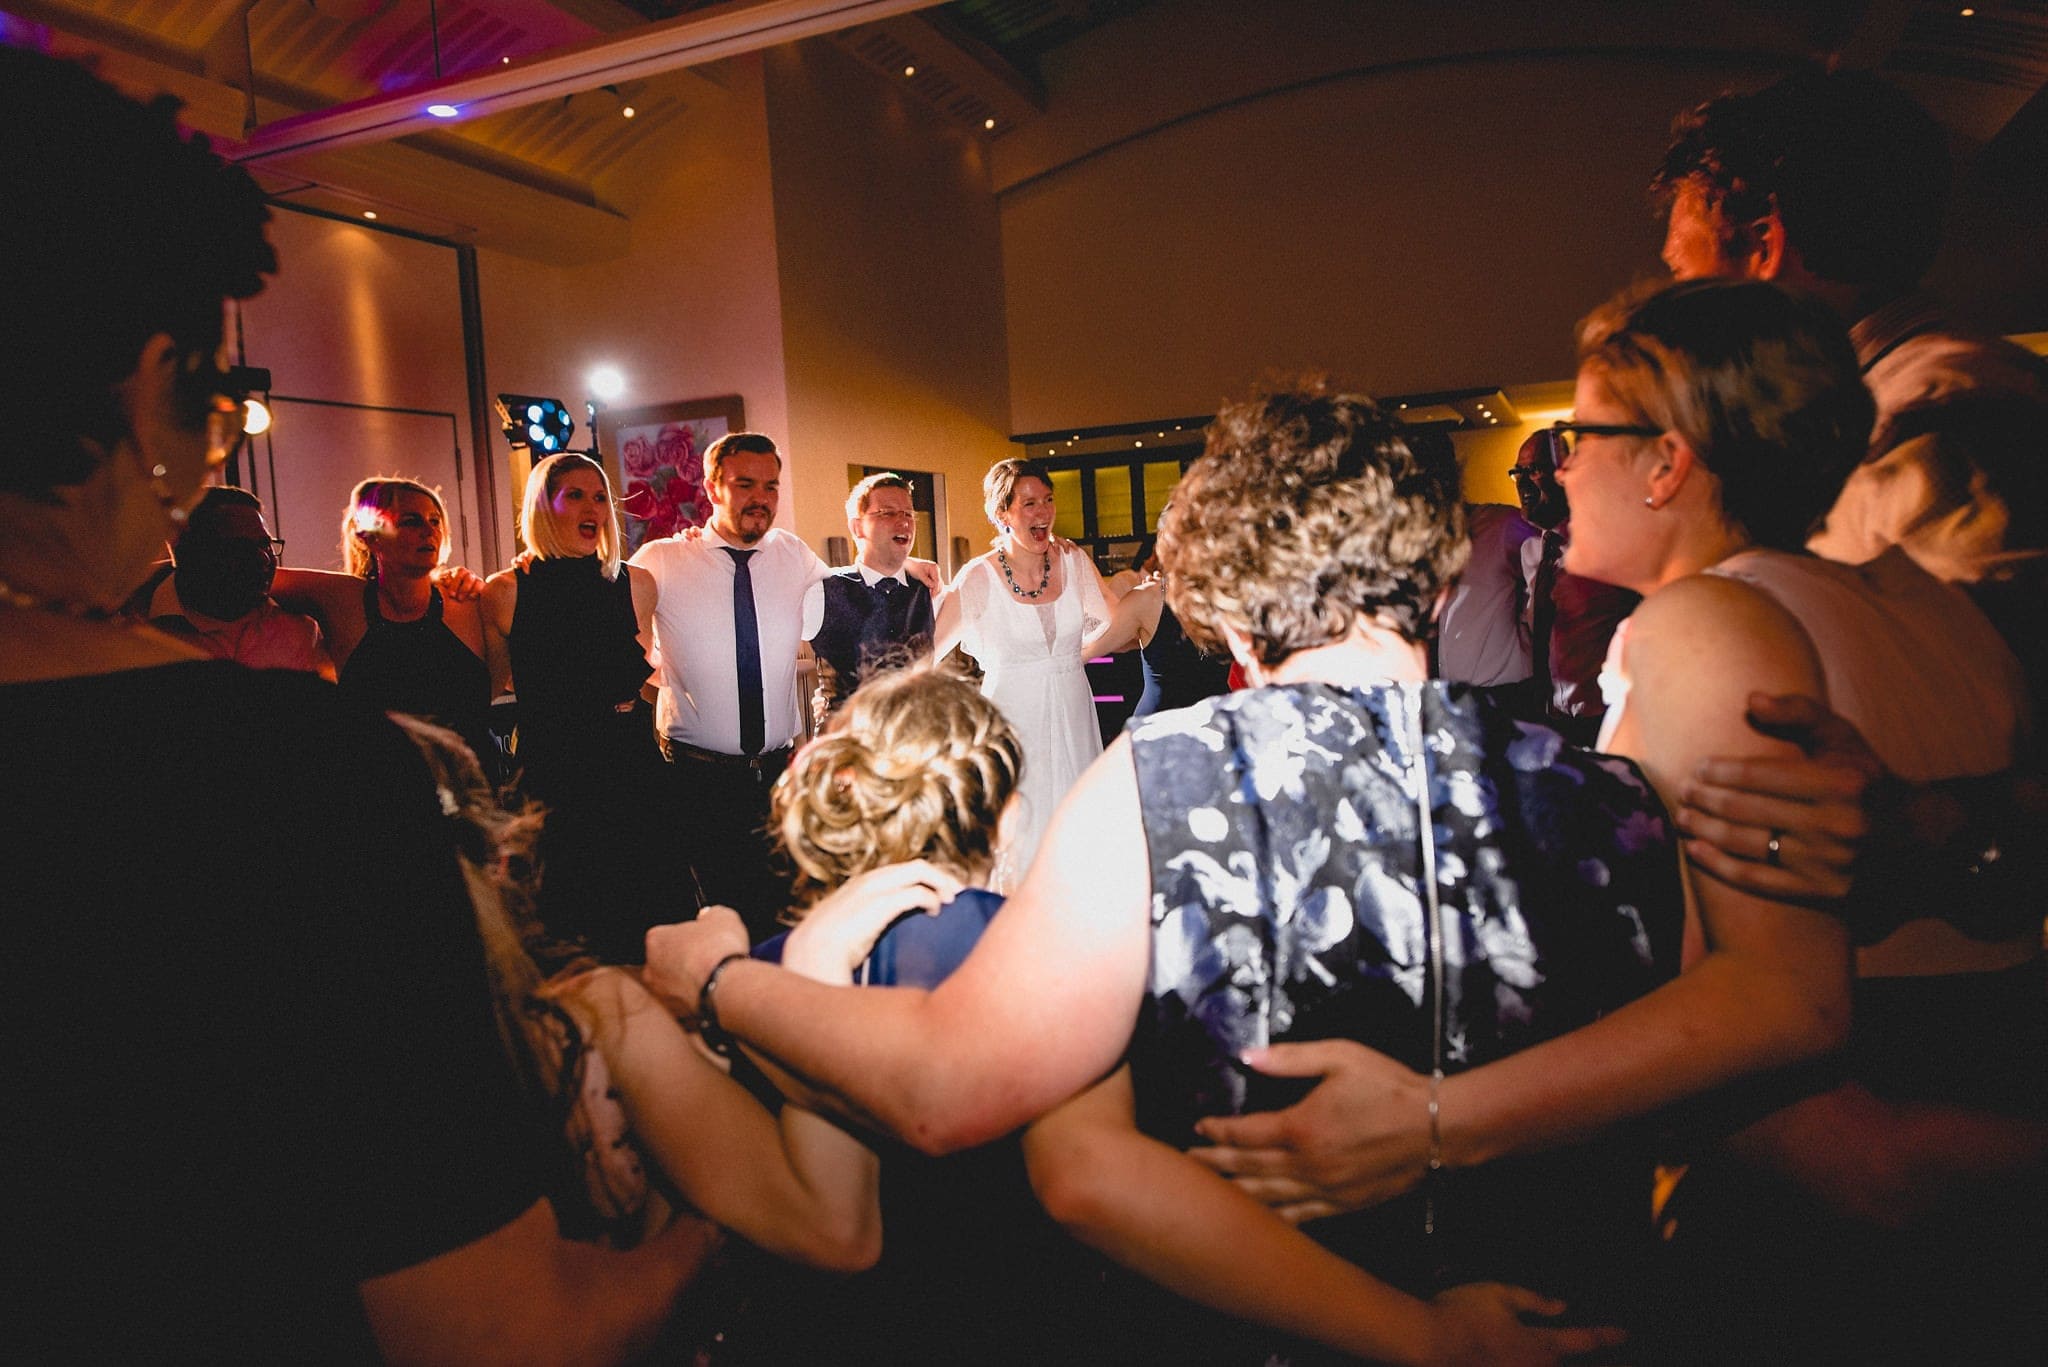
x=587, y=752
x=1177, y=674
x=422, y=668
x=1296, y=898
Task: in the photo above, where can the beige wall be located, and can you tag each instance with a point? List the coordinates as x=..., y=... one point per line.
x=691, y=311
x=892, y=309
x=356, y=316
x=1427, y=228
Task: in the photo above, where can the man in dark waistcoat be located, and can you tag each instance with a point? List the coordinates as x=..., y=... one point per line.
x=875, y=614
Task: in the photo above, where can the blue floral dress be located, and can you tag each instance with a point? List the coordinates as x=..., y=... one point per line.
x=1408, y=867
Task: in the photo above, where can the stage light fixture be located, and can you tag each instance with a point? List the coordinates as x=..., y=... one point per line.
x=542, y=425
x=606, y=383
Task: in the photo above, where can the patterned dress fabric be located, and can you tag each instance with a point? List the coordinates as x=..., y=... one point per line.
x=1299, y=893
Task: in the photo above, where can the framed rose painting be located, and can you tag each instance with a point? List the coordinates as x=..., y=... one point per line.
x=655, y=456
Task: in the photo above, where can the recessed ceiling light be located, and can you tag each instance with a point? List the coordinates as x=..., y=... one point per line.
x=628, y=112
x=506, y=61
x=443, y=111
x=1968, y=13
x=988, y=123
x=910, y=71
x=1141, y=443
x=369, y=213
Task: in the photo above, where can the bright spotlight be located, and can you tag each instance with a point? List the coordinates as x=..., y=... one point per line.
x=606, y=383
x=255, y=417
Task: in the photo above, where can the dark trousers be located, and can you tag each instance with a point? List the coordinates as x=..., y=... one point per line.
x=724, y=809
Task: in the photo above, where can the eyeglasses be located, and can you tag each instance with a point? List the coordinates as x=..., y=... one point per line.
x=1564, y=436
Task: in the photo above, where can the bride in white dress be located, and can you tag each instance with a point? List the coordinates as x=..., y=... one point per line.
x=1021, y=611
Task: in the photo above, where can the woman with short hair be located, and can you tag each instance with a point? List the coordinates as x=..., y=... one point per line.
x=1022, y=611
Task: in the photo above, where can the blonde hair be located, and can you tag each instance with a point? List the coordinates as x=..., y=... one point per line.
x=538, y=525
x=857, y=501
x=916, y=765
x=368, y=503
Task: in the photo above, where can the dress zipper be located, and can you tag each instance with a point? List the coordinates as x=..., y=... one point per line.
x=1426, y=826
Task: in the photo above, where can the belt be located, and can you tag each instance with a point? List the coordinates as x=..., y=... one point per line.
x=676, y=751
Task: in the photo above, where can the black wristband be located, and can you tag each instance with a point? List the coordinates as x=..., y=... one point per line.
x=708, y=1027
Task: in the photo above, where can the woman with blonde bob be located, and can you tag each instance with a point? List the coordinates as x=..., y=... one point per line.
x=568, y=629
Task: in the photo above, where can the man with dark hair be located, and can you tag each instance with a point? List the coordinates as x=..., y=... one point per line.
x=1835, y=184
x=215, y=593
x=875, y=613
x=1572, y=618
x=259, y=1110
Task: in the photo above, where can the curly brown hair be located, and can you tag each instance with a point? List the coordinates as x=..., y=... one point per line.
x=917, y=765
x=1306, y=511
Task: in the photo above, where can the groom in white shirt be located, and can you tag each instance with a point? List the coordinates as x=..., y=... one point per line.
x=733, y=603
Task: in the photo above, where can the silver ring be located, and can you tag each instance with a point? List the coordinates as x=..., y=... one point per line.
x=1773, y=847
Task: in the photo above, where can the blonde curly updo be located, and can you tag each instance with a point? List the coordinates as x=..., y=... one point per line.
x=917, y=765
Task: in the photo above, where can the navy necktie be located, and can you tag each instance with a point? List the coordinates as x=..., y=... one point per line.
x=746, y=640
x=887, y=587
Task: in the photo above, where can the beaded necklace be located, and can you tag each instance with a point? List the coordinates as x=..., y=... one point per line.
x=1044, y=574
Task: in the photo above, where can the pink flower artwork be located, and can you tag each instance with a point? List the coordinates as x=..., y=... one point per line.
x=663, y=465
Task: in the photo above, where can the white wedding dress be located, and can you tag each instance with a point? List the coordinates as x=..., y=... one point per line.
x=1030, y=656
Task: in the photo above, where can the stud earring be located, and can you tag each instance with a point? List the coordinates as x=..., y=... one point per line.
x=1650, y=503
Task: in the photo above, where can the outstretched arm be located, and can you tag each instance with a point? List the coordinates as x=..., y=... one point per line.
x=1153, y=1210
x=1131, y=623
x=501, y=603
x=1042, y=1007
x=795, y=1184
x=320, y=594
x=946, y=620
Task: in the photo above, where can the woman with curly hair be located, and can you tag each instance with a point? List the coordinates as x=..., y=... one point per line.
x=1346, y=850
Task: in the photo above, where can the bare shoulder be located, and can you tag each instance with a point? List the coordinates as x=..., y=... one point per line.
x=1691, y=656
x=501, y=599
x=1709, y=617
